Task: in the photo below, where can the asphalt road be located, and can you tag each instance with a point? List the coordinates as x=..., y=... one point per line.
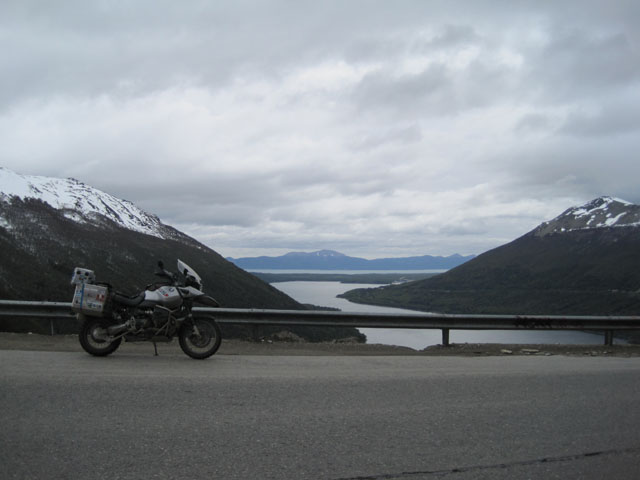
x=131, y=416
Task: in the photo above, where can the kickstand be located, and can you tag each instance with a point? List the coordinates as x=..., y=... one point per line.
x=155, y=347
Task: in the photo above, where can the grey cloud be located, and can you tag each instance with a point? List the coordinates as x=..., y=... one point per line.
x=436, y=91
x=430, y=88
x=82, y=48
x=577, y=168
x=220, y=215
x=577, y=63
x=610, y=120
x=374, y=47
x=451, y=36
x=399, y=135
x=470, y=227
x=195, y=112
x=211, y=199
x=534, y=122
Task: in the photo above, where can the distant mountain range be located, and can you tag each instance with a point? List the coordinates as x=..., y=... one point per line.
x=48, y=226
x=585, y=261
x=331, y=260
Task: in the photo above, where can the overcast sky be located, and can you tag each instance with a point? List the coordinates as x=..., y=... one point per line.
x=375, y=128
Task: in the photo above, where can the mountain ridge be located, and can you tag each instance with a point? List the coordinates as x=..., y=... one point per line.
x=81, y=202
x=601, y=212
x=592, y=268
x=332, y=260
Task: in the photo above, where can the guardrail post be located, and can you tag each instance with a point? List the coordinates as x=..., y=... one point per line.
x=445, y=337
x=608, y=338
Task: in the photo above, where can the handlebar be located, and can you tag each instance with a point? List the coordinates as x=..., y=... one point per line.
x=165, y=273
x=189, y=280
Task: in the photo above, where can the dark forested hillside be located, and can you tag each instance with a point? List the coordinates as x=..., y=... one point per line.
x=587, y=271
x=43, y=246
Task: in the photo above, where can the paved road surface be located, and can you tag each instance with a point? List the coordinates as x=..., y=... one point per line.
x=131, y=416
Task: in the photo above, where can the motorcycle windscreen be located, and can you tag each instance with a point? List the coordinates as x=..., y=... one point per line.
x=186, y=270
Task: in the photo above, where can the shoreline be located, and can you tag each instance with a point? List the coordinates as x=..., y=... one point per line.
x=69, y=343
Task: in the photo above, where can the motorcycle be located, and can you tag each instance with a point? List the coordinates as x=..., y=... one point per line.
x=158, y=314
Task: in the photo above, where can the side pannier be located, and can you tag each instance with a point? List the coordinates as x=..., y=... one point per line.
x=89, y=298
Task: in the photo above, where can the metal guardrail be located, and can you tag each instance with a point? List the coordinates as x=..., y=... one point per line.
x=319, y=318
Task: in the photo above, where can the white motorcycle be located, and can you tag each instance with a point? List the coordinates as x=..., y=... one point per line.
x=159, y=313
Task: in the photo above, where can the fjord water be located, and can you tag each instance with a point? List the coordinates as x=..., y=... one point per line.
x=324, y=294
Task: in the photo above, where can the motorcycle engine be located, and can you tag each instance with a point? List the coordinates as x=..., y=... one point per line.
x=160, y=315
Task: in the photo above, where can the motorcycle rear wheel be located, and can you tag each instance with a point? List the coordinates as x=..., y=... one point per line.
x=203, y=344
x=92, y=335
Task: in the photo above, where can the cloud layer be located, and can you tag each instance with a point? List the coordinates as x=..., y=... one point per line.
x=372, y=128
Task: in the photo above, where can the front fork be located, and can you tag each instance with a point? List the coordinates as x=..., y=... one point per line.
x=196, y=331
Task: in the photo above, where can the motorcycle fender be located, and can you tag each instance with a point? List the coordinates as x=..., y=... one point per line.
x=207, y=301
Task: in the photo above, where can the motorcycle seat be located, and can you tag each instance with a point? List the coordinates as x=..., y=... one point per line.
x=128, y=301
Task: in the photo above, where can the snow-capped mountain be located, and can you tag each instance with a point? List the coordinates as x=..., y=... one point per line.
x=319, y=253
x=49, y=226
x=78, y=202
x=583, y=262
x=602, y=212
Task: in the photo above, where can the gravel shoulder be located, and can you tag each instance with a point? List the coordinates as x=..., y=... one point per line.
x=69, y=343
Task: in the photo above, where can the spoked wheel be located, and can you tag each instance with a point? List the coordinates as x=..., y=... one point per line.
x=200, y=338
x=95, y=339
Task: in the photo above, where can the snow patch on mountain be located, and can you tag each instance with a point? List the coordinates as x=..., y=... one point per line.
x=4, y=224
x=602, y=212
x=79, y=202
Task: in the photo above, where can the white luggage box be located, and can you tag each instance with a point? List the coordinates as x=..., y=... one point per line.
x=82, y=275
x=90, y=299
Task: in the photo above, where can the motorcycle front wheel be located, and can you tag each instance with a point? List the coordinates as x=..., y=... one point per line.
x=200, y=338
x=94, y=338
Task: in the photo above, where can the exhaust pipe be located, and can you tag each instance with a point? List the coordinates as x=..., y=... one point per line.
x=116, y=329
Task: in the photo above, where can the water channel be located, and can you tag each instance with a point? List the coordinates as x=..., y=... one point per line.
x=324, y=294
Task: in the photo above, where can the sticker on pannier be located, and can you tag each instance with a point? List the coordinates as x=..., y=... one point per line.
x=90, y=299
